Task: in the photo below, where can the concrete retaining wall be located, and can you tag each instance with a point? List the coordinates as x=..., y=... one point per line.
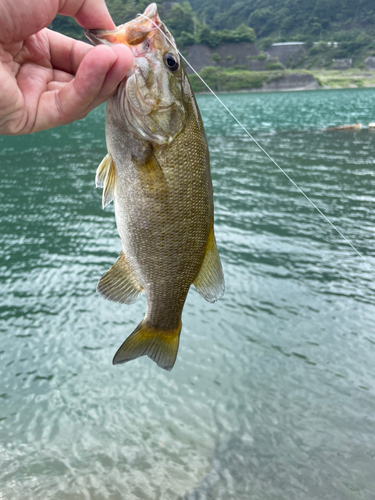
x=370, y=63
x=230, y=54
x=284, y=51
x=294, y=81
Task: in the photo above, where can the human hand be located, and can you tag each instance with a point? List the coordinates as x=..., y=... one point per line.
x=48, y=79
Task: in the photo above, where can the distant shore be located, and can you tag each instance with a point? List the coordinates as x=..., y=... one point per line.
x=347, y=79
x=289, y=80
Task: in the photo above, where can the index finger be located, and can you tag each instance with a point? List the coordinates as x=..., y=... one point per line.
x=20, y=19
x=90, y=14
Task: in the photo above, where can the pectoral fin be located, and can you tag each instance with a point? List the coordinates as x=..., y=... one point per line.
x=150, y=174
x=210, y=280
x=102, y=171
x=120, y=284
x=106, y=178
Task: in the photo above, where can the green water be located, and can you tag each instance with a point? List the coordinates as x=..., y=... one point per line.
x=273, y=393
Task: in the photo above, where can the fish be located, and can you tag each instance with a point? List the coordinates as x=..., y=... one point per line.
x=157, y=173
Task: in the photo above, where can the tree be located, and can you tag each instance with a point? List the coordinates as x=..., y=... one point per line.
x=180, y=18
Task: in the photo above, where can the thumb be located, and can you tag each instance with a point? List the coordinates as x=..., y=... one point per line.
x=97, y=78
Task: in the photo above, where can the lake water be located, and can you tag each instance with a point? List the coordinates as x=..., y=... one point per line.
x=273, y=392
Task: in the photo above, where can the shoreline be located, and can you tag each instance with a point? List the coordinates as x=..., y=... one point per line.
x=299, y=89
x=289, y=81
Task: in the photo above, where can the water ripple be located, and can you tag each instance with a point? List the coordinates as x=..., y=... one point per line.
x=272, y=395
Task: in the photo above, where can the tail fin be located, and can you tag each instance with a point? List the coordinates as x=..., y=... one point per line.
x=159, y=345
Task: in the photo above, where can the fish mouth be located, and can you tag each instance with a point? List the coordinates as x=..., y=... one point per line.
x=146, y=35
x=94, y=37
x=143, y=34
x=129, y=37
x=133, y=33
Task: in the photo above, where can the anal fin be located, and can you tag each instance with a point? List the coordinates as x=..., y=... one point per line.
x=210, y=279
x=120, y=284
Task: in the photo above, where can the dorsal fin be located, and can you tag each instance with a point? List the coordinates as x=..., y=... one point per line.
x=120, y=284
x=210, y=280
x=106, y=178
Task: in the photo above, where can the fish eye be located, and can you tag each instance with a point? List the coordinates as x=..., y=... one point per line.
x=170, y=60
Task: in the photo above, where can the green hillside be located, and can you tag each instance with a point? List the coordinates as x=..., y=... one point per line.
x=277, y=20
x=180, y=18
x=286, y=18
x=351, y=23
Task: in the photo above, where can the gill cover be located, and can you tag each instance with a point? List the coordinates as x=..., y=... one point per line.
x=149, y=101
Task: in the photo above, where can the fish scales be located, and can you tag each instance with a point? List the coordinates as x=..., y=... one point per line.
x=158, y=169
x=166, y=224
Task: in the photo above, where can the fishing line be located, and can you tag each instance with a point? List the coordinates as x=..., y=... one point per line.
x=264, y=151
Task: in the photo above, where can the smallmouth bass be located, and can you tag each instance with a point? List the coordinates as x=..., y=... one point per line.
x=157, y=172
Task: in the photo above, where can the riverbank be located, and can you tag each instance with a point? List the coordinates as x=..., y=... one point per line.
x=241, y=80
x=350, y=78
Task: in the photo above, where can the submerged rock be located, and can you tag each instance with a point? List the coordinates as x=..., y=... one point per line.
x=355, y=126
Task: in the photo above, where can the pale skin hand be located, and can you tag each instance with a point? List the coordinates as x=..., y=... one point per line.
x=48, y=79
